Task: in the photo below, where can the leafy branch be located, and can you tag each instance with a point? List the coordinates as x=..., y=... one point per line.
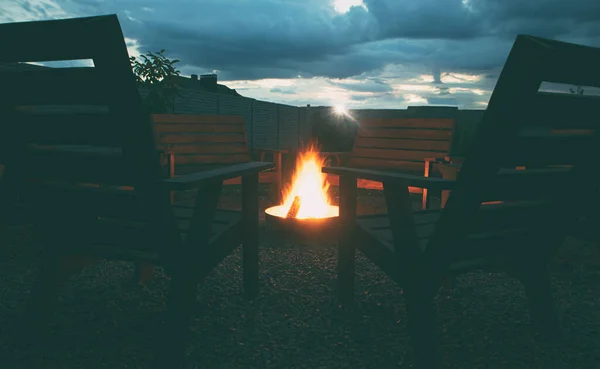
x=156, y=73
x=578, y=90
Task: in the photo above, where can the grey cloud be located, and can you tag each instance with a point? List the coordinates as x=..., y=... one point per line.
x=452, y=101
x=282, y=91
x=364, y=86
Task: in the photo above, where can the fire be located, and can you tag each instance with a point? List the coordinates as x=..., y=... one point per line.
x=309, y=187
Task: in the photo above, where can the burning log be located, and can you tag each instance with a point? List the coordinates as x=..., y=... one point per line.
x=294, y=208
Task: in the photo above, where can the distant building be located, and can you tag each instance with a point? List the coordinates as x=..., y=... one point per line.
x=206, y=83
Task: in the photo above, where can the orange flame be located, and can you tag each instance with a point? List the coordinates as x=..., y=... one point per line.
x=310, y=185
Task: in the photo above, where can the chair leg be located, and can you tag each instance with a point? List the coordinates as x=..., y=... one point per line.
x=347, y=238
x=425, y=199
x=421, y=326
x=143, y=272
x=180, y=305
x=54, y=271
x=542, y=309
x=346, y=255
x=250, y=238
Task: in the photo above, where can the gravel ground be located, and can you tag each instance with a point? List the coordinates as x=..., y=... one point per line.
x=104, y=321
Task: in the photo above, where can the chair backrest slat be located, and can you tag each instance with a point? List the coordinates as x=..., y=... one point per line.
x=401, y=143
x=75, y=124
x=69, y=125
x=202, y=141
x=37, y=41
x=562, y=111
x=56, y=86
x=555, y=152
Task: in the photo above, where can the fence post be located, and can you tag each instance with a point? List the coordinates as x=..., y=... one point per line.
x=252, y=123
x=278, y=116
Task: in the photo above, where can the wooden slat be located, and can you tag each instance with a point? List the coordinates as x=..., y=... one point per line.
x=56, y=86
x=80, y=164
x=561, y=110
x=68, y=128
x=175, y=138
x=264, y=177
x=416, y=179
x=439, y=123
x=529, y=184
x=36, y=41
x=88, y=199
x=401, y=155
x=195, y=168
x=428, y=134
x=390, y=143
x=409, y=166
x=208, y=149
x=189, y=128
x=382, y=224
x=495, y=223
x=334, y=180
x=570, y=63
x=217, y=158
x=197, y=180
x=548, y=149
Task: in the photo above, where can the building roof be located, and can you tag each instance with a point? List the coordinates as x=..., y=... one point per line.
x=190, y=83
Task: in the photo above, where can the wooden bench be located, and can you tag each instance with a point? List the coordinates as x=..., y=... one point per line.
x=407, y=145
x=79, y=151
x=196, y=142
x=533, y=210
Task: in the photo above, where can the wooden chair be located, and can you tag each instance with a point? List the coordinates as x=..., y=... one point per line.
x=196, y=142
x=518, y=235
x=407, y=145
x=89, y=168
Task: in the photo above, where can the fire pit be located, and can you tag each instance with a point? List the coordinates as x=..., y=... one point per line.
x=306, y=210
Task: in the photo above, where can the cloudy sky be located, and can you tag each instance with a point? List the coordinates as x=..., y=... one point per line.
x=357, y=53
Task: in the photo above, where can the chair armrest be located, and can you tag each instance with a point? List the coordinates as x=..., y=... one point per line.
x=455, y=159
x=200, y=179
x=277, y=153
x=388, y=176
x=283, y=151
x=435, y=160
x=449, y=171
x=446, y=160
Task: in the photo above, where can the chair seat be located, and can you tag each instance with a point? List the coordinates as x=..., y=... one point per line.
x=378, y=226
x=133, y=234
x=381, y=252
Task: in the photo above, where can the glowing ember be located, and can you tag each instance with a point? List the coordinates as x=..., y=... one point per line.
x=307, y=196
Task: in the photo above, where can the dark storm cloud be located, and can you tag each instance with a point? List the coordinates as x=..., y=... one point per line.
x=447, y=19
x=365, y=86
x=283, y=38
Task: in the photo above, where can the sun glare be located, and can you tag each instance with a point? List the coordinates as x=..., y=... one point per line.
x=340, y=110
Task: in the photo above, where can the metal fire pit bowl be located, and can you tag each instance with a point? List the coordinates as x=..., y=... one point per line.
x=322, y=229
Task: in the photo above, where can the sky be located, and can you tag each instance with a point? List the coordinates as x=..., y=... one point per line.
x=362, y=54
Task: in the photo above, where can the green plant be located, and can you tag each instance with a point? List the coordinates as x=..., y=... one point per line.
x=578, y=90
x=155, y=73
